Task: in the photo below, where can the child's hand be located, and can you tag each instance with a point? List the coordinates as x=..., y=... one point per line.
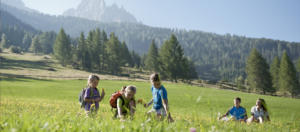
x=146, y=106
x=170, y=119
x=103, y=93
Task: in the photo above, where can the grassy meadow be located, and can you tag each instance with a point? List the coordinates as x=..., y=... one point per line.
x=31, y=101
x=50, y=105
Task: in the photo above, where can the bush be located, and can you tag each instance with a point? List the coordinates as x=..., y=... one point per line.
x=15, y=49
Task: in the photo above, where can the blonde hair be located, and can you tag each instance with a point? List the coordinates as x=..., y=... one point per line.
x=92, y=78
x=130, y=88
x=154, y=77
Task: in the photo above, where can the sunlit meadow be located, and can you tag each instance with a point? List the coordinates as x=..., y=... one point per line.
x=52, y=105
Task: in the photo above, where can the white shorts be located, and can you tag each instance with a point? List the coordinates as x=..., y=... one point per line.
x=160, y=111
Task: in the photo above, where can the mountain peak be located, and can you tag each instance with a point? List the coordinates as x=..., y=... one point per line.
x=98, y=11
x=14, y=3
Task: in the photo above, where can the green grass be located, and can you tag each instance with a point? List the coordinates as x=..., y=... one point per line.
x=52, y=105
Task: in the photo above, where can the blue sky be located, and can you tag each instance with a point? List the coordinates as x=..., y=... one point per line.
x=276, y=19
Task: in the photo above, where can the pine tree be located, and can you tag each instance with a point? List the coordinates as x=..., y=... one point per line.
x=96, y=49
x=62, y=48
x=36, y=45
x=274, y=70
x=287, y=76
x=258, y=74
x=171, y=55
x=298, y=69
x=47, y=40
x=26, y=41
x=188, y=70
x=136, y=59
x=126, y=57
x=82, y=53
x=90, y=45
x=152, y=59
x=103, y=54
x=4, y=43
x=113, y=49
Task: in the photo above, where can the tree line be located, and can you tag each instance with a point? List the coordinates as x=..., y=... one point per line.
x=98, y=52
x=279, y=78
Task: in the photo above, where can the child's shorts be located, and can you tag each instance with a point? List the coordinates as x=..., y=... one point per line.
x=160, y=111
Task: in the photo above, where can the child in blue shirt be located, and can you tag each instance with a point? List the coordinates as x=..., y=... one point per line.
x=160, y=98
x=237, y=112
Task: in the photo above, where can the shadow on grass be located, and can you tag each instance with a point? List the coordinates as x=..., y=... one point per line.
x=17, y=64
x=14, y=77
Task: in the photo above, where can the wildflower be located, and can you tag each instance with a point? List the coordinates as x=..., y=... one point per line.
x=192, y=129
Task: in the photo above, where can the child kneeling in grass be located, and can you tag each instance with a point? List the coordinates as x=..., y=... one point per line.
x=159, y=100
x=125, y=102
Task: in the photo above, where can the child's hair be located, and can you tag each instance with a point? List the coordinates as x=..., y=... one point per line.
x=92, y=78
x=154, y=77
x=130, y=88
x=263, y=104
x=239, y=99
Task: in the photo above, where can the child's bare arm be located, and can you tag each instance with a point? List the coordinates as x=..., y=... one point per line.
x=148, y=104
x=119, y=108
x=132, y=107
x=101, y=96
x=120, y=114
x=268, y=118
x=166, y=106
x=226, y=114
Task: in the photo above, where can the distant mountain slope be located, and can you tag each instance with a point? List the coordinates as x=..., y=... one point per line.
x=17, y=4
x=15, y=30
x=9, y=20
x=98, y=11
x=216, y=56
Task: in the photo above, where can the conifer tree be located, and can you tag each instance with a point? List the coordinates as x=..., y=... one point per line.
x=82, y=53
x=36, y=45
x=103, y=54
x=4, y=43
x=96, y=48
x=62, y=47
x=90, y=47
x=152, y=59
x=171, y=55
x=298, y=69
x=126, y=57
x=27, y=41
x=136, y=59
x=287, y=76
x=46, y=40
x=113, y=49
x=274, y=70
x=258, y=74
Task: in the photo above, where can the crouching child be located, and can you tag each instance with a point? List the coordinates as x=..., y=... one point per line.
x=124, y=102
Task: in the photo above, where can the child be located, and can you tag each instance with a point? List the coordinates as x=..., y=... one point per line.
x=126, y=102
x=92, y=96
x=237, y=112
x=160, y=98
x=259, y=112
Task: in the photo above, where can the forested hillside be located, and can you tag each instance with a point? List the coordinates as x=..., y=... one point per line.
x=215, y=56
